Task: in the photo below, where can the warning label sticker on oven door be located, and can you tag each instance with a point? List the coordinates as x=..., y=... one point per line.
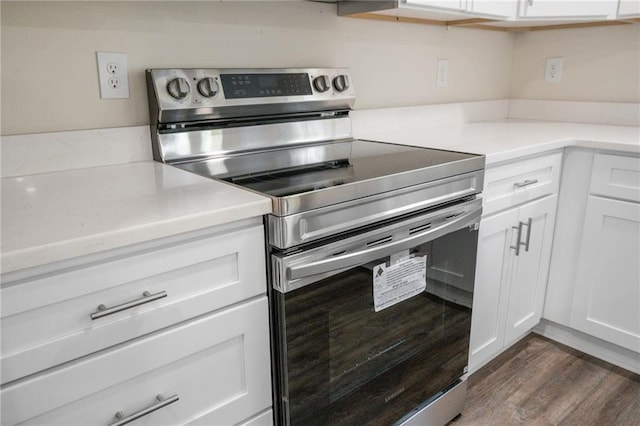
x=398, y=282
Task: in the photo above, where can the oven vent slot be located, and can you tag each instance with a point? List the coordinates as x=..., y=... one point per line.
x=338, y=253
x=419, y=228
x=380, y=241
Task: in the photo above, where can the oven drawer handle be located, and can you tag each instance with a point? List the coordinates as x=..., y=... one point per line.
x=364, y=256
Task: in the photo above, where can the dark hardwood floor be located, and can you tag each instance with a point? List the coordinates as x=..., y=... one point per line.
x=541, y=382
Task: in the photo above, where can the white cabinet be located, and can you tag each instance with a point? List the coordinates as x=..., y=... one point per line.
x=206, y=340
x=215, y=366
x=491, y=291
x=494, y=8
x=514, y=250
x=432, y=10
x=531, y=267
x=593, y=291
x=628, y=9
x=506, y=13
x=458, y=5
x=51, y=318
x=500, y=8
x=607, y=293
x=567, y=9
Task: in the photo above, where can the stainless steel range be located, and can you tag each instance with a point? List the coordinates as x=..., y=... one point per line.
x=372, y=246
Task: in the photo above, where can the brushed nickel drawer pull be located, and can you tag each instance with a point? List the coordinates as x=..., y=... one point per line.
x=147, y=297
x=528, y=225
x=518, y=243
x=162, y=402
x=525, y=183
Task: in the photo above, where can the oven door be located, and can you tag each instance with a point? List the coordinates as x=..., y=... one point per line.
x=370, y=326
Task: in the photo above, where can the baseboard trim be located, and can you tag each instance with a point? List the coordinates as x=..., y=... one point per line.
x=590, y=345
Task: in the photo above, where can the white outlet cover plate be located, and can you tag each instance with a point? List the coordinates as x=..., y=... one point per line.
x=107, y=62
x=442, y=73
x=553, y=70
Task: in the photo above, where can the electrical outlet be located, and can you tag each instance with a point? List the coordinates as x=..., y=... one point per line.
x=442, y=73
x=112, y=68
x=114, y=83
x=553, y=70
x=112, y=75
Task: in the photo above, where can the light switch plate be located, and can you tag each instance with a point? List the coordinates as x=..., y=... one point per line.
x=442, y=73
x=113, y=75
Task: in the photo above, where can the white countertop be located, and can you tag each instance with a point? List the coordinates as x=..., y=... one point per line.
x=60, y=215
x=509, y=139
x=56, y=216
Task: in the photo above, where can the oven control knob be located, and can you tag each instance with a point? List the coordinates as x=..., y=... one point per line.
x=178, y=88
x=321, y=83
x=341, y=83
x=208, y=87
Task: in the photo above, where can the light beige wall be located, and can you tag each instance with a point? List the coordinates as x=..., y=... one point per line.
x=601, y=64
x=49, y=77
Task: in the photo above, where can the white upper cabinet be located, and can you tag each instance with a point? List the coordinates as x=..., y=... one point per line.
x=501, y=8
x=567, y=9
x=458, y=5
x=501, y=13
x=493, y=8
x=628, y=9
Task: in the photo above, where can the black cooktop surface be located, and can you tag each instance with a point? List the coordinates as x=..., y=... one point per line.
x=352, y=168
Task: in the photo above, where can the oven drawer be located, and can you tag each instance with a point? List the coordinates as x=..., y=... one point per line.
x=47, y=321
x=217, y=366
x=616, y=176
x=516, y=183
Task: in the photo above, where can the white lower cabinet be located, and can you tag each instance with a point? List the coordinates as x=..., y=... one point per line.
x=530, y=268
x=594, y=282
x=514, y=248
x=490, y=296
x=214, y=365
x=198, y=355
x=606, y=299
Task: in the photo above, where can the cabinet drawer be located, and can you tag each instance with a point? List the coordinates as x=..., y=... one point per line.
x=218, y=366
x=46, y=321
x=616, y=176
x=515, y=183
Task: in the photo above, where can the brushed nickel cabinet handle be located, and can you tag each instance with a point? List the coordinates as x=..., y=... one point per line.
x=528, y=240
x=525, y=183
x=147, y=297
x=162, y=402
x=518, y=243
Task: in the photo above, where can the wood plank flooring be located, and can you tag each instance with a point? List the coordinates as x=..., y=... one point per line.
x=540, y=382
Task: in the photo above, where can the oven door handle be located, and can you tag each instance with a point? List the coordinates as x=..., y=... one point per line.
x=335, y=263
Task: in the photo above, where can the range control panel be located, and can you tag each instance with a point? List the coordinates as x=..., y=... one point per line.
x=183, y=89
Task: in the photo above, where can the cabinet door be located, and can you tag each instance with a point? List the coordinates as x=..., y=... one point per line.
x=218, y=365
x=504, y=8
x=567, y=8
x=628, y=8
x=531, y=267
x=607, y=295
x=491, y=290
x=457, y=5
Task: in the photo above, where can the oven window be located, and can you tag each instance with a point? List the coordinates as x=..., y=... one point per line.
x=342, y=363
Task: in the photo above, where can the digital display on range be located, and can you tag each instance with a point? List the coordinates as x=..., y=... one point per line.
x=238, y=86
